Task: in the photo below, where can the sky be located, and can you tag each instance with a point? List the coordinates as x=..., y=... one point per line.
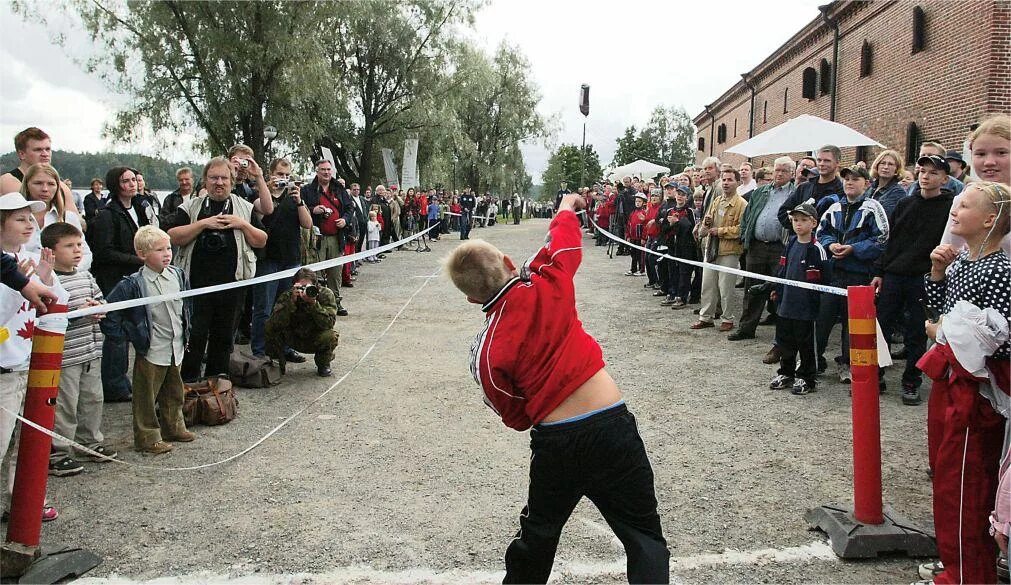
x=634, y=54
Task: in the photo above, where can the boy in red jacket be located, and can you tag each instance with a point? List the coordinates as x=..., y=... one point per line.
x=540, y=370
x=634, y=231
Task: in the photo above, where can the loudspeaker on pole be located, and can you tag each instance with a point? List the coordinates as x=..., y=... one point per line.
x=584, y=99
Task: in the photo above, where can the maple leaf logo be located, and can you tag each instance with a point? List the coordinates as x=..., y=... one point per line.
x=28, y=330
x=23, y=308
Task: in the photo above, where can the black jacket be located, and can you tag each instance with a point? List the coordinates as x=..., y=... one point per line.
x=171, y=203
x=110, y=236
x=810, y=190
x=915, y=230
x=92, y=205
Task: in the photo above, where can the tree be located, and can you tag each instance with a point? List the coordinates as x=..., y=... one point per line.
x=566, y=164
x=666, y=139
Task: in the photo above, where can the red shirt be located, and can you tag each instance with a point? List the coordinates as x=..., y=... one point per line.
x=328, y=227
x=636, y=224
x=533, y=352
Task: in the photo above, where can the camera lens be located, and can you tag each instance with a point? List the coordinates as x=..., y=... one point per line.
x=312, y=291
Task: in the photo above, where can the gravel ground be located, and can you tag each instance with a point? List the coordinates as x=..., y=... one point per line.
x=401, y=474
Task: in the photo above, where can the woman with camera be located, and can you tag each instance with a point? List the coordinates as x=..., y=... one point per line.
x=216, y=234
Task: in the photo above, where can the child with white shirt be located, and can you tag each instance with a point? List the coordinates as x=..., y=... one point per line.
x=374, y=233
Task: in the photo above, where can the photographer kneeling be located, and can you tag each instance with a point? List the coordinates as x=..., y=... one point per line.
x=303, y=320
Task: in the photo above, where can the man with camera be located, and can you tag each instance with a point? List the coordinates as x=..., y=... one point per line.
x=332, y=212
x=303, y=320
x=281, y=252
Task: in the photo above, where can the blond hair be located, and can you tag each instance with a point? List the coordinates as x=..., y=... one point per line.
x=998, y=197
x=240, y=148
x=146, y=237
x=57, y=201
x=900, y=167
x=996, y=124
x=477, y=269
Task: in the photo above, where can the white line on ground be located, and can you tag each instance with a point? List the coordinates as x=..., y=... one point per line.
x=814, y=551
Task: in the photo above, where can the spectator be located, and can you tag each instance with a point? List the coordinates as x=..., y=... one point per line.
x=563, y=190
x=804, y=165
x=361, y=214
x=283, y=226
x=959, y=169
x=916, y=228
x=373, y=231
x=111, y=240
x=964, y=431
x=182, y=194
x=304, y=319
x=467, y=203
x=41, y=184
x=216, y=234
x=624, y=204
x=748, y=184
x=150, y=200
x=433, y=216
x=907, y=179
x=95, y=200
x=885, y=187
x=249, y=180
x=936, y=149
x=762, y=237
x=817, y=193
x=722, y=226
x=763, y=176
x=517, y=206
x=634, y=231
x=332, y=209
x=854, y=229
x=33, y=146
x=678, y=225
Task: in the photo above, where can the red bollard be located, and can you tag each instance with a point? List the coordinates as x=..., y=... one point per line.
x=22, y=544
x=867, y=507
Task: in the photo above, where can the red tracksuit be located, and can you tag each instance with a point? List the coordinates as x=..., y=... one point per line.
x=964, y=439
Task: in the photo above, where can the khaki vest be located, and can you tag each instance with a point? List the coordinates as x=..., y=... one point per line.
x=246, y=266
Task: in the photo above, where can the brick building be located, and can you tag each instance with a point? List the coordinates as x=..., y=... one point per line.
x=901, y=72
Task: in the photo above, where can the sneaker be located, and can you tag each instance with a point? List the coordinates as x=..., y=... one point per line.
x=669, y=301
x=101, y=450
x=1003, y=574
x=630, y=273
x=844, y=373
x=659, y=293
x=49, y=514
x=801, y=388
x=911, y=396
x=679, y=304
x=781, y=382
x=928, y=571
x=65, y=467
x=641, y=273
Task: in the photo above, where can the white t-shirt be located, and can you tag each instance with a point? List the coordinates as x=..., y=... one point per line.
x=132, y=212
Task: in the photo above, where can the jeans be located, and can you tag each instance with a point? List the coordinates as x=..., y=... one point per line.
x=603, y=458
x=900, y=294
x=465, y=222
x=214, y=317
x=832, y=309
x=264, y=296
x=115, y=362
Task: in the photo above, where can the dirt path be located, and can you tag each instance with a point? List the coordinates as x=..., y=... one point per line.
x=401, y=474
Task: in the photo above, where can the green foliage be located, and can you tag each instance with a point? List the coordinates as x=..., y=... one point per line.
x=566, y=164
x=82, y=167
x=666, y=139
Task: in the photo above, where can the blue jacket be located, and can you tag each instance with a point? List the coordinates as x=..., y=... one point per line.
x=862, y=224
x=888, y=195
x=816, y=268
x=134, y=324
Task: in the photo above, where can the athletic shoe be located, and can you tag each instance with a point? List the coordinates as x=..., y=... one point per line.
x=911, y=396
x=49, y=514
x=844, y=373
x=65, y=467
x=630, y=273
x=659, y=293
x=930, y=570
x=679, y=304
x=801, y=388
x=669, y=301
x=781, y=382
x=102, y=450
x=641, y=273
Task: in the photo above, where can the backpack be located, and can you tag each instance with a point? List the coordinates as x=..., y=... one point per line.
x=248, y=371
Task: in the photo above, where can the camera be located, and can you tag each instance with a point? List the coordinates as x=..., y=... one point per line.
x=281, y=183
x=311, y=291
x=243, y=162
x=213, y=241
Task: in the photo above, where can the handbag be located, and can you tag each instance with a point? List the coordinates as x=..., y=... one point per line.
x=209, y=402
x=248, y=371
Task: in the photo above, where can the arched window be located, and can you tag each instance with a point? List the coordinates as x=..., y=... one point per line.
x=826, y=77
x=735, y=127
x=862, y=154
x=721, y=134
x=810, y=79
x=912, y=142
x=765, y=112
x=866, y=59
x=702, y=143
x=919, y=29
x=786, y=96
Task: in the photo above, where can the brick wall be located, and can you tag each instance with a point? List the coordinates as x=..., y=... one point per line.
x=964, y=71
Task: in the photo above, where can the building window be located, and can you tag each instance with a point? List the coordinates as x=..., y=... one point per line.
x=861, y=154
x=919, y=30
x=810, y=79
x=735, y=127
x=912, y=142
x=765, y=112
x=866, y=59
x=786, y=95
x=721, y=134
x=826, y=77
x=702, y=144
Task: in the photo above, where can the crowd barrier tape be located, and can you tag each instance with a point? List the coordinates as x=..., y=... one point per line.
x=317, y=266
x=262, y=439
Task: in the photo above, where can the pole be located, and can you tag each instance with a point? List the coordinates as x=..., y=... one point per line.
x=21, y=547
x=582, y=172
x=867, y=506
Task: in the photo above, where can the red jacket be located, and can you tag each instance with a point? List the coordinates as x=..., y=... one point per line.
x=533, y=352
x=651, y=230
x=604, y=212
x=636, y=225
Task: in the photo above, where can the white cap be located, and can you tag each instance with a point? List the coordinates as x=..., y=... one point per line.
x=17, y=201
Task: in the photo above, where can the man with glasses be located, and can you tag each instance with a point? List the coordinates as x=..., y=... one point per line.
x=332, y=211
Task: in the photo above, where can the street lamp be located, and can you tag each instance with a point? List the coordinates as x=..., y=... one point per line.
x=456, y=159
x=270, y=133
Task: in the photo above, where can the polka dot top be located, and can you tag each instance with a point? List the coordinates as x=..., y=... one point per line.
x=985, y=283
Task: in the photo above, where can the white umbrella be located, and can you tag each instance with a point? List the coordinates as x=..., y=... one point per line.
x=804, y=133
x=640, y=168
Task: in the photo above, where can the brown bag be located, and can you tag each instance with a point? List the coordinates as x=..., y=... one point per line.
x=248, y=371
x=210, y=402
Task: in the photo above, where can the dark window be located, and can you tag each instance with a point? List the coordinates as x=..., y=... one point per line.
x=702, y=143
x=735, y=127
x=786, y=95
x=826, y=77
x=810, y=79
x=866, y=59
x=861, y=154
x=765, y=112
x=721, y=134
x=919, y=29
x=912, y=142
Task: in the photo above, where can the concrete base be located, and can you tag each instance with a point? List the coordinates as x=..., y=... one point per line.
x=51, y=567
x=851, y=539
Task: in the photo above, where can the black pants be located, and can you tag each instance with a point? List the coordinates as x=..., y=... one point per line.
x=900, y=295
x=683, y=281
x=638, y=260
x=212, y=330
x=762, y=258
x=465, y=224
x=833, y=309
x=795, y=336
x=603, y=458
x=650, y=261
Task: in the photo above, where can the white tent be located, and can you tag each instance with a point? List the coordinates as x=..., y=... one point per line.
x=804, y=133
x=640, y=168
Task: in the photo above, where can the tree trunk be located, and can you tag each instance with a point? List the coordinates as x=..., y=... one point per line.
x=365, y=167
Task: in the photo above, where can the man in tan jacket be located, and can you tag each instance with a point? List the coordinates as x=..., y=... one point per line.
x=721, y=228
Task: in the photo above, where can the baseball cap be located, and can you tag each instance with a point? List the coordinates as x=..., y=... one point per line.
x=855, y=170
x=805, y=208
x=811, y=172
x=934, y=161
x=12, y=201
x=671, y=185
x=641, y=196
x=685, y=190
x=955, y=156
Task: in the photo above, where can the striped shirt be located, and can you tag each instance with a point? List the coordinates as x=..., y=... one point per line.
x=83, y=342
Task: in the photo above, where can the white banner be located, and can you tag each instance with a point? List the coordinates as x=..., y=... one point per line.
x=391, y=168
x=410, y=167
